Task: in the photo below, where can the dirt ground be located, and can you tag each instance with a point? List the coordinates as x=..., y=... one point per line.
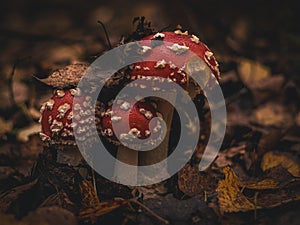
x=256, y=177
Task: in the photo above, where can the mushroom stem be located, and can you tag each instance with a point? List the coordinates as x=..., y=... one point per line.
x=69, y=155
x=128, y=156
x=161, y=152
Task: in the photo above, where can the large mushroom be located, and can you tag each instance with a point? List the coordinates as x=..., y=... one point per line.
x=172, y=59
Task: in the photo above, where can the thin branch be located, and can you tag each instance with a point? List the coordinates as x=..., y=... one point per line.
x=10, y=79
x=106, y=34
x=149, y=211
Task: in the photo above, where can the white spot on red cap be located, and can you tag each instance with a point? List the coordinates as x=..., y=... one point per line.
x=160, y=64
x=158, y=35
x=178, y=49
x=44, y=137
x=125, y=106
x=144, y=50
x=208, y=54
x=195, y=39
x=75, y=91
x=60, y=93
x=56, y=126
x=62, y=110
x=116, y=118
x=146, y=113
x=181, y=33
x=50, y=104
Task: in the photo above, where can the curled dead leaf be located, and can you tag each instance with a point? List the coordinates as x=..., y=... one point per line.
x=68, y=76
x=192, y=182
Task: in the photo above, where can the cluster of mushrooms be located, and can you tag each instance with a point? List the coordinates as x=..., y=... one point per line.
x=171, y=64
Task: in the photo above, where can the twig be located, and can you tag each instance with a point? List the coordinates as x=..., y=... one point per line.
x=106, y=34
x=149, y=211
x=10, y=79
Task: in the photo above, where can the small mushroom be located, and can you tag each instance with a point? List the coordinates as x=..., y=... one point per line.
x=135, y=114
x=139, y=116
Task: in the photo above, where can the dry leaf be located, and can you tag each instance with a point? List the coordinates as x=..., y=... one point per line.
x=267, y=88
x=10, y=220
x=24, y=133
x=272, y=114
x=267, y=183
x=230, y=196
x=192, y=182
x=9, y=197
x=225, y=157
x=67, y=76
x=272, y=159
x=50, y=216
x=251, y=71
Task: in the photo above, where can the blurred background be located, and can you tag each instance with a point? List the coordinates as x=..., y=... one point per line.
x=40, y=36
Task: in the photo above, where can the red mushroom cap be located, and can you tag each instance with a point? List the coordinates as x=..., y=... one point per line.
x=57, y=117
x=169, y=59
x=139, y=121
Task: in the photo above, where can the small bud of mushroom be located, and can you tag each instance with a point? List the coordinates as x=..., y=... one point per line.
x=58, y=124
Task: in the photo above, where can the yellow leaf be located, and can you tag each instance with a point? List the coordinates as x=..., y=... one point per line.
x=230, y=196
x=267, y=183
x=89, y=196
x=102, y=208
x=271, y=160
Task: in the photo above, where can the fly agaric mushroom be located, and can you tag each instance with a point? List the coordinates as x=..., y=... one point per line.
x=138, y=115
x=58, y=124
x=172, y=60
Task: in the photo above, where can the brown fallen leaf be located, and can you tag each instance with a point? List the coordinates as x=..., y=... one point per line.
x=272, y=159
x=51, y=215
x=252, y=71
x=10, y=220
x=9, y=197
x=191, y=182
x=225, y=157
x=267, y=88
x=67, y=76
x=272, y=114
